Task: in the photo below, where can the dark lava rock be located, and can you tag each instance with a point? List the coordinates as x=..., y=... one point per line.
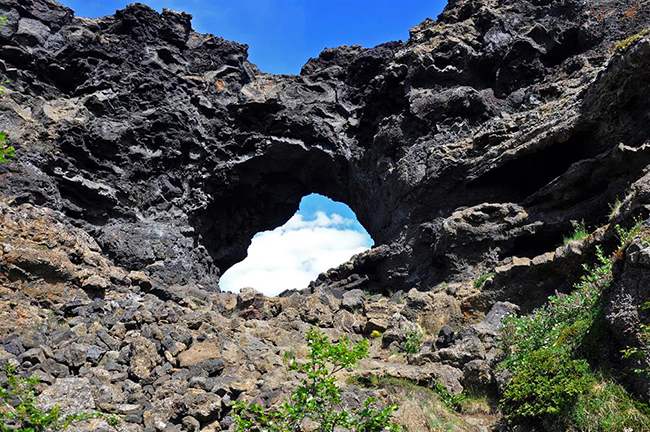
x=172, y=150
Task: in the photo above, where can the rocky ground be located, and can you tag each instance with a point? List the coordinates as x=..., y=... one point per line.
x=148, y=155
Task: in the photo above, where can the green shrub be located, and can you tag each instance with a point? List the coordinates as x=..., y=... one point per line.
x=478, y=283
x=20, y=412
x=318, y=398
x=375, y=334
x=413, y=341
x=544, y=385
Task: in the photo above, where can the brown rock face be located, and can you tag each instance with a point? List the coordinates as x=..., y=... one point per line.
x=199, y=352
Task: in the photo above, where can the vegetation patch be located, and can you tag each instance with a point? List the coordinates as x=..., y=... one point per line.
x=579, y=232
x=548, y=352
x=413, y=342
x=445, y=410
x=318, y=398
x=481, y=280
x=625, y=43
x=20, y=411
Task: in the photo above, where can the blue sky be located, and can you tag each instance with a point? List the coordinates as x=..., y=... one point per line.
x=282, y=35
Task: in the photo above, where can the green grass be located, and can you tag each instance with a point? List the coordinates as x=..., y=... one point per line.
x=625, y=43
x=478, y=283
x=444, y=411
x=606, y=406
x=579, y=232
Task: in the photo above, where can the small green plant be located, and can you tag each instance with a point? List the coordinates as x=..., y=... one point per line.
x=413, y=341
x=375, y=334
x=625, y=43
x=614, y=209
x=643, y=350
x=6, y=151
x=20, y=412
x=3, y=89
x=579, y=232
x=478, y=283
x=451, y=400
x=318, y=398
x=637, y=231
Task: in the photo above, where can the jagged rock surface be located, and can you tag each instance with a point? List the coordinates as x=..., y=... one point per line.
x=149, y=155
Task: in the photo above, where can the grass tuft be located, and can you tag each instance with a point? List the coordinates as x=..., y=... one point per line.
x=579, y=232
x=478, y=283
x=614, y=209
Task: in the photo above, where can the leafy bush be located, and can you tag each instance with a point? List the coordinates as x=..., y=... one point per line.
x=413, y=341
x=20, y=412
x=318, y=398
x=544, y=385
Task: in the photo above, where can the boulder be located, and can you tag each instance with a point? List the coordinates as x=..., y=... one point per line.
x=199, y=352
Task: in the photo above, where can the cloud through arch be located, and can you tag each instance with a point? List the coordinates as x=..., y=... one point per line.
x=293, y=255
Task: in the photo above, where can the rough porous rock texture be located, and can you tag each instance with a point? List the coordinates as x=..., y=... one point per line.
x=148, y=155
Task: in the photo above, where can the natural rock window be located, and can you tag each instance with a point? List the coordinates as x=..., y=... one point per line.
x=321, y=235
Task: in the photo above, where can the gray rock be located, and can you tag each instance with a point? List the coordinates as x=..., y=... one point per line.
x=73, y=395
x=463, y=351
x=354, y=300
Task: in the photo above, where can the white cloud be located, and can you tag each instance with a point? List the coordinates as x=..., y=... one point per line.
x=294, y=254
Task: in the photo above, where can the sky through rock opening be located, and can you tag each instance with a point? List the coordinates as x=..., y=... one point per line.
x=321, y=235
